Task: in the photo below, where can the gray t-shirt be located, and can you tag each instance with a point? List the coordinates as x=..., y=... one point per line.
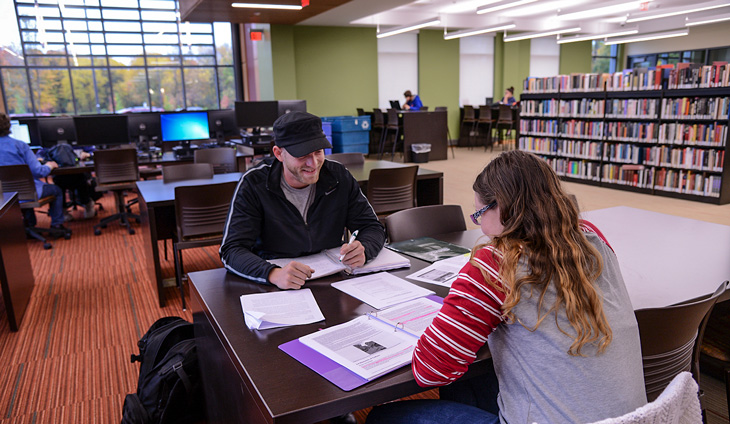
x=301, y=198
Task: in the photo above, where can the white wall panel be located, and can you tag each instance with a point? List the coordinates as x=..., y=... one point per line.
x=476, y=69
x=544, y=57
x=397, y=68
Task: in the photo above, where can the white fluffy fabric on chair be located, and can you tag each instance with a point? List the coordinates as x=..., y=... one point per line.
x=678, y=404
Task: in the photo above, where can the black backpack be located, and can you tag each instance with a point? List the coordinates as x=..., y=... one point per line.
x=62, y=154
x=169, y=388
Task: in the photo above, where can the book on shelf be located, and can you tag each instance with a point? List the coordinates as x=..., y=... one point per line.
x=367, y=347
x=428, y=249
x=328, y=262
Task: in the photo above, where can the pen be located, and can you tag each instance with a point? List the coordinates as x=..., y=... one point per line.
x=352, y=238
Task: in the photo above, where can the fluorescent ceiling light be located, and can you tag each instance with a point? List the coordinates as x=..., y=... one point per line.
x=707, y=20
x=526, y=36
x=647, y=37
x=412, y=27
x=470, y=32
x=597, y=36
x=601, y=11
x=268, y=6
x=487, y=9
x=466, y=6
x=681, y=12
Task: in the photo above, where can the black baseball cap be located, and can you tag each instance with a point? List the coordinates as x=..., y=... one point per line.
x=300, y=133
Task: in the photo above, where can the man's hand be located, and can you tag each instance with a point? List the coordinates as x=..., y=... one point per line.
x=292, y=276
x=84, y=155
x=51, y=164
x=354, y=254
x=406, y=106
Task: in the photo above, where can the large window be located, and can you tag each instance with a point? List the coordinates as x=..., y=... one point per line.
x=701, y=56
x=604, y=57
x=103, y=56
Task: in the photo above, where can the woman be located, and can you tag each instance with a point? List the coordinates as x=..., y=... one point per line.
x=546, y=294
x=508, y=98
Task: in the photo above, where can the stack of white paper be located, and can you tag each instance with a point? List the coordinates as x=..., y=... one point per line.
x=262, y=311
x=381, y=290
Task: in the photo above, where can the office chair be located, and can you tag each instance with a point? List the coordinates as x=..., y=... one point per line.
x=670, y=340
x=392, y=189
x=391, y=127
x=469, y=121
x=424, y=221
x=485, y=119
x=223, y=159
x=19, y=178
x=201, y=213
x=187, y=171
x=448, y=133
x=116, y=171
x=504, y=120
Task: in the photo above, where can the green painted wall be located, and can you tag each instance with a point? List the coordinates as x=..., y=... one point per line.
x=438, y=74
x=335, y=69
x=516, y=66
x=498, y=87
x=575, y=57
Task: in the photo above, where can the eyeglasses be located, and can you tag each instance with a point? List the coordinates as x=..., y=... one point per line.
x=475, y=216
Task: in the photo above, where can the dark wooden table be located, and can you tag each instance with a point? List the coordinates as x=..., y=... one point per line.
x=16, y=274
x=248, y=379
x=429, y=184
x=157, y=212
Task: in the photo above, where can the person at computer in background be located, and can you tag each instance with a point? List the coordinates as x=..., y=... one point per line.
x=546, y=294
x=413, y=102
x=508, y=98
x=15, y=152
x=295, y=204
x=81, y=184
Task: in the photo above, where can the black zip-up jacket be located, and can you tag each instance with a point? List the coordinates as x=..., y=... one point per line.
x=262, y=224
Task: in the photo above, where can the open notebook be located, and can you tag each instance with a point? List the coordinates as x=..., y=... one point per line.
x=328, y=262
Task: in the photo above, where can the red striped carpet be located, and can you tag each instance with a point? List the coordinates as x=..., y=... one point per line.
x=93, y=299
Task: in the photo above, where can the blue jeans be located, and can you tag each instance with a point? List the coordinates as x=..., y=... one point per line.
x=468, y=401
x=55, y=208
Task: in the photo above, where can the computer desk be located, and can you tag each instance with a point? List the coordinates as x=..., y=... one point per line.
x=16, y=273
x=247, y=378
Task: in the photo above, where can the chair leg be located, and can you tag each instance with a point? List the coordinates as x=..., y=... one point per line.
x=381, y=149
x=395, y=145
x=179, y=272
x=448, y=142
x=29, y=231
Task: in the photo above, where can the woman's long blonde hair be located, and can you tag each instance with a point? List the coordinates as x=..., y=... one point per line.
x=541, y=225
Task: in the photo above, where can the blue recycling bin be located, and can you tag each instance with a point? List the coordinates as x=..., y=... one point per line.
x=350, y=134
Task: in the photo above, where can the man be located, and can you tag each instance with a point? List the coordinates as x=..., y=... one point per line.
x=296, y=204
x=15, y=152
x=413, y=102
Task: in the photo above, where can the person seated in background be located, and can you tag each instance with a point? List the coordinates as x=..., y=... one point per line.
x=15, y=152
x=296, y=204
x=508, y=98
x=81, y=185
x=413, y=102
x=546, y=294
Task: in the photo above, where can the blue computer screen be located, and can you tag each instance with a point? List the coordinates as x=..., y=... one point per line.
x=184, y=126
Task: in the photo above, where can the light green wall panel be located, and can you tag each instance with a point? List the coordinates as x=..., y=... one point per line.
x=498, y=67
x=282, y=59
x=516, y=67
x=438, y=74
x=335, y=69
x=575, y=57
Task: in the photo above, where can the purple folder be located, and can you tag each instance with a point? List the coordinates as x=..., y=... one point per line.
x=326, y=367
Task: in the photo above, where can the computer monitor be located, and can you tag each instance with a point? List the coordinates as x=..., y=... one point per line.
x=286, y=106
x=143, y=128
x=101, y=130
x=395, y=104
x=54, y=131
x=184, y=126
x=256, y=115
x=35, y=136
x=20, y=132
x=222, y=124
x=488, y=101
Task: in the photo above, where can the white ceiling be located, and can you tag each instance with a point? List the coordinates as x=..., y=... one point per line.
x=541, y=15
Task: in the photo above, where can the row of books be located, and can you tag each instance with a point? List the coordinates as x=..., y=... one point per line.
x=568, y=148
x=632, y=108
x=696, y=108
x=572, y=128
x=693, y=134
x=687, y=182
x=688, y=158
x=591, y=108
x=683, y=76
x=575, y=168
x=625, y=153
x=641, y=132
x=631, y=175
x=539, y=126
x=583, y=108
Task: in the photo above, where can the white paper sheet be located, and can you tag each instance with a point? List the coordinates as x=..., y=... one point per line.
x=324, y=263
x=262, y=311
x=443, y=272
x=381, y=290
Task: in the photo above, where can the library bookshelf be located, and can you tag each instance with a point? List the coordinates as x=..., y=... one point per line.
x=662, y=142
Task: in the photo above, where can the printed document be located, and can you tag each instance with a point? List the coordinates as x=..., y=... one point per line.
x=442, y=273
x=381, y=290
x=262, y=311
x=324, y=263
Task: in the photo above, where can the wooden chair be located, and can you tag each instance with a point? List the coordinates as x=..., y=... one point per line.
x=19, y=178
x=347, y=158
x=377, y=132
x=424, y=221
x=424, y=109
x=448, y=133
x=392, y=189
x=201, y=213
x=360, y=111
x=670, y=340
x=485, y=120
x=117, y=171
x=223, y=159
x=468, y=122
x=187, y=171
x=393, y=128
x=504, y=121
